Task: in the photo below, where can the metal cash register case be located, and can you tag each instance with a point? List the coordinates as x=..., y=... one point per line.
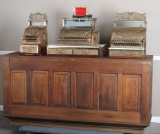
x=35, y=38
x=129, y=35
x=79, y=31
x=78, y=37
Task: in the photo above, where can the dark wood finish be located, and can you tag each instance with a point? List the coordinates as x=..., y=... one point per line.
x=81, y=89
x=131, y=93
x=61, y=91
x=108, y=92
x=39, y=88
x=6, y=85
x=18, y=87
x=84, y=91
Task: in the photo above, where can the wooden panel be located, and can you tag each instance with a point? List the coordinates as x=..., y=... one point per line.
x=84, y=90
x=131, y=93
x=18, y=87
x=62, y=88
x=96, y=90
x=146, y=93
x=40, y=88
x=50, y=88
x=6, y=85
x=108, y=92
x=77, y=64
x=69, y=114
x=87, y=92
x=73, y=90
x=29, y=87
x=120, y=92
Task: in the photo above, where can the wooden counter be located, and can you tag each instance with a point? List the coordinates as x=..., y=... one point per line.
x=80, y=89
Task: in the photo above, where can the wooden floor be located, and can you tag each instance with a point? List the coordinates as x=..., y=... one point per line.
x=6, y=127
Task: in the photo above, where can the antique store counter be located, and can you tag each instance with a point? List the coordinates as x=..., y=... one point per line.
x=80, y=89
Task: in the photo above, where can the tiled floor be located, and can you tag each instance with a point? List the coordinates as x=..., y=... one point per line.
x=7, y=128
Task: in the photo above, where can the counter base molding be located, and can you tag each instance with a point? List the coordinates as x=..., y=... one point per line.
x=76, y=128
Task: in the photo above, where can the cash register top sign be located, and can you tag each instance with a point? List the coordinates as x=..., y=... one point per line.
x=80, y=11
x=38, y=19
x=80, y=19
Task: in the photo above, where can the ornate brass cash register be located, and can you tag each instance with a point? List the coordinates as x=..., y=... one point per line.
x=78, y=36
x=35, y=39
x=129, y=35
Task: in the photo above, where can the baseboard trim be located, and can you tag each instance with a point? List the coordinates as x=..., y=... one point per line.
x=5, y=52
x=156, y=58
x=155, y=119
x=1, y=108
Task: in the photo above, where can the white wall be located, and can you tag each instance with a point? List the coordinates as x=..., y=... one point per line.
x=14, y=19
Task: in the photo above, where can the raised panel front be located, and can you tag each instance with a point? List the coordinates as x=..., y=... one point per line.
x=131, y=93
x=79, y=89
x=108, y=92
x=40, y=88
x=18, y=87
x=62, y=86
x=84, y=90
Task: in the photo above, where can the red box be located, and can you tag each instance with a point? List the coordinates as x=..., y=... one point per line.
x=80, y=11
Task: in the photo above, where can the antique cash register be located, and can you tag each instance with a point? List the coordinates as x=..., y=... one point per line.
x=129, y=35
x=35, y=39
x=78, y=36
